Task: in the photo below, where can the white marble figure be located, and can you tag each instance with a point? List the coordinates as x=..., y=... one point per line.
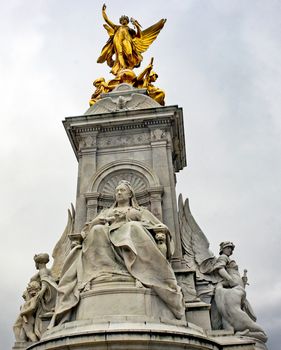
x=119, y=243
x=230, y=309
x=39, y=296
x=24, y=327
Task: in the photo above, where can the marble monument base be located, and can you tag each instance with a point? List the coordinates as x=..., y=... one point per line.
x=124, y=315
x=89, y=335
x=123, y=301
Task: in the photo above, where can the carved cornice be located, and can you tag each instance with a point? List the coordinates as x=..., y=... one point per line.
x=168, y=120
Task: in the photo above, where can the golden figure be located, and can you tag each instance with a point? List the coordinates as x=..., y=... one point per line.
x=101, y=87
x=123, y=76
x=125, y=43
x=145, y=80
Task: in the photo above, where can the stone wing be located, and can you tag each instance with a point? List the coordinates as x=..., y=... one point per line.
x=194, y=243
x=63, y=246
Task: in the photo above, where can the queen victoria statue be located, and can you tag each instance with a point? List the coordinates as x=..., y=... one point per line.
x=120, y=244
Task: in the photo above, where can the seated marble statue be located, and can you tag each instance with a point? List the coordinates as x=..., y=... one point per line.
x=119, y=244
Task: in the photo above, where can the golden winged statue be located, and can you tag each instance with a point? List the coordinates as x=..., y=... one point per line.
x=125, y=43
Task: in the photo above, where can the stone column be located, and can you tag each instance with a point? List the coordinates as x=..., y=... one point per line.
x=92, y=204
x=161, y=164
x=87, y=168
x=155, y=196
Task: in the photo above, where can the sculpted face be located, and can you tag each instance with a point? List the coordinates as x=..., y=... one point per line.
x=33, y=288
x=122, y=193
x=124, y=20
x=227, y=251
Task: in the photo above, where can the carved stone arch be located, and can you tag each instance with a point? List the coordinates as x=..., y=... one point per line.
x=144, y=181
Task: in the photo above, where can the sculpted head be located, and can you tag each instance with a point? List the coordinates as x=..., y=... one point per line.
x=226, y=248
x=33, y=288
x=123, y=192
x=124, y=20
x=153, y=76
x=41, y=259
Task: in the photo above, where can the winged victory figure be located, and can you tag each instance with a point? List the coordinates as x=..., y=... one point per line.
x=125, y=45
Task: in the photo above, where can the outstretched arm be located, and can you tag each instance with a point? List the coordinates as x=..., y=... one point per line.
x=146, y=71
x=107, y=20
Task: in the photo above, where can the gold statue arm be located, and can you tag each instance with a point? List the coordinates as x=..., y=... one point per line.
x=146, y=71
x=107, y=20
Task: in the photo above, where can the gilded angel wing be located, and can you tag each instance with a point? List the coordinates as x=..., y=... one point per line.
x=148, y=36
x=63, y=246
x=194, y=243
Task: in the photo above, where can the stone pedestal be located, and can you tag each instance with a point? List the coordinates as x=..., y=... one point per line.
x=199, y=313
x=21, y=345
x=123, y=302
x=80, y=335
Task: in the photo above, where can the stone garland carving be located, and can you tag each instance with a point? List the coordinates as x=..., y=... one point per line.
x=230, y=308
x=120, y=241
x=131, y=140
x=126, y=140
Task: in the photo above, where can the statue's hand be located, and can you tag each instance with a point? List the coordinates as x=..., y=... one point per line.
x=133, y=21
x=119, y=216
x=99, y=221
x=40, y=295
x=232, y=283
x=110, y=219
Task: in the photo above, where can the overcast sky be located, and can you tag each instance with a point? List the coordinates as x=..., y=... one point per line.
x=218, y=59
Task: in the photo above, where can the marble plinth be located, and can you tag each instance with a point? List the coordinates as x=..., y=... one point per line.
x=122, y=301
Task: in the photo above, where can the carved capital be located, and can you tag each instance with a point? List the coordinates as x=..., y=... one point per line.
x=158, y=134
x=87, y=141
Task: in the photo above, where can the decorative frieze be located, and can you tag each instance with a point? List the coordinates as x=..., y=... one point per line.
x=123, y=140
